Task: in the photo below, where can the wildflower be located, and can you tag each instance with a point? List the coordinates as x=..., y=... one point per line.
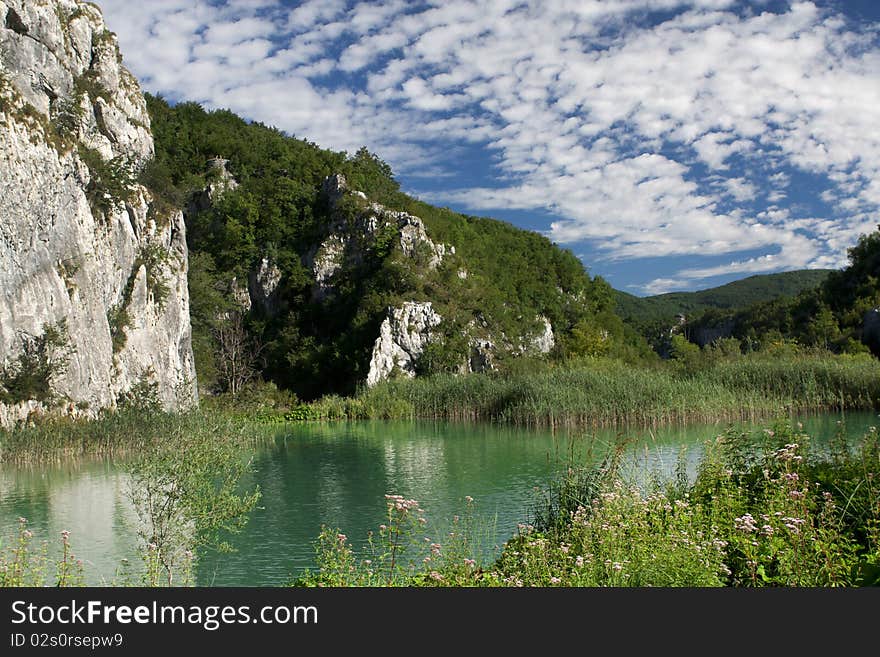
x=470, y=563
x=65, y=534
x=563, y=548
x=796, y=495
x=341, y=538
x=767, y=530
x=468, y=499
x=617, y=566
x=368, y=561
x=435, y=549
x=22, y=520
x=746, y=523
x=791, y=476
x=436, y=576
x=555, y=580
x=579, y=562
x=422, y=521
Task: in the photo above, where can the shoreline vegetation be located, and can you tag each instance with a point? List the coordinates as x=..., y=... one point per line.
x=580, y=394
x=766, y=507
x=770, y=507
x=595, y=393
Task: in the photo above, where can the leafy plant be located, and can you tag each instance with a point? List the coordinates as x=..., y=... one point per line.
x=43, y=359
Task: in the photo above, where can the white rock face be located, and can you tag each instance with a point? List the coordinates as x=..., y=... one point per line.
x=59, y=259
x=402, y=338
x=544, y=341
x=263, y=284
x=349, y=240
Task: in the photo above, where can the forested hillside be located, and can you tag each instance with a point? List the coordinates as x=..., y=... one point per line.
x=839, y=315
x=292, y=284
x=735, y=295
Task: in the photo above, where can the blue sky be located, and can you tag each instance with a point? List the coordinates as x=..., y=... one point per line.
x=671, y=144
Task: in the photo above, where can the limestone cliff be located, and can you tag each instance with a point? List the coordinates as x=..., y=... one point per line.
x=85, y=251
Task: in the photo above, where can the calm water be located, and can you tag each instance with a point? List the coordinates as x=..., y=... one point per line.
x=338, y=474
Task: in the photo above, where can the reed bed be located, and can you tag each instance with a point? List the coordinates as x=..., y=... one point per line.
x=604, y=393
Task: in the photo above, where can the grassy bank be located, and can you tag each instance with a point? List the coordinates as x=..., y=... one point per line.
x=121, y=434
x=764, y=510
x=597, y=393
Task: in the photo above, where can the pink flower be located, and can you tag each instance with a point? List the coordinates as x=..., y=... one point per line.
x=436, y=576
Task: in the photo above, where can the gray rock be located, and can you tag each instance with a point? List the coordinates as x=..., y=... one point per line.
x=403, y=336
x=349, y=239
x=263, y=286
x=59, y=259
x=482, y=356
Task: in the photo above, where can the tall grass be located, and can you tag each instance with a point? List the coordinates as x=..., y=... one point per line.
x=118, y=434
x=601, y=393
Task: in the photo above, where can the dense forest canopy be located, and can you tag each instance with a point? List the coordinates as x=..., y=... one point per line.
x=499, y=276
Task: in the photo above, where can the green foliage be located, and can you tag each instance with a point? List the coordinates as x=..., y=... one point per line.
x=830, y=316
x=500, y=277
x=142, y=397
x=43, y=358
x=763, y=510
x=111, y=182
x=735, y=295
x=209, y=303
x=399, y=554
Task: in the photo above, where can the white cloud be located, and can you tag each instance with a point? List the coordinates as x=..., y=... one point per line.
x=644, y=139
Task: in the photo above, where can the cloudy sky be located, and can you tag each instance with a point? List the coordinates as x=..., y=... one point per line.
x=671, y=144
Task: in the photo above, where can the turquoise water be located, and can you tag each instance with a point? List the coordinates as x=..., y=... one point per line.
x=338, y=475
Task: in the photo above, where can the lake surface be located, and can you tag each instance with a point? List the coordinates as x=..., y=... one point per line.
x=338, y=474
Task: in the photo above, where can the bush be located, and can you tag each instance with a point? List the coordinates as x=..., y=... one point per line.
x=43, y=358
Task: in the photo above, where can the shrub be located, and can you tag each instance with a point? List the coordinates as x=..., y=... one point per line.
x=43, y=358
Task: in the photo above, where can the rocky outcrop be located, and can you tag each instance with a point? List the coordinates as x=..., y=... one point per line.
x=220, y=180
x=403, y=336
x=263, y=284
x=482, y=356
x=358, y=229
x=544, y=341
x=81, y=244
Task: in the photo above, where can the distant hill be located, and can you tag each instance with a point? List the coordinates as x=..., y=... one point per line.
x=735, y=295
